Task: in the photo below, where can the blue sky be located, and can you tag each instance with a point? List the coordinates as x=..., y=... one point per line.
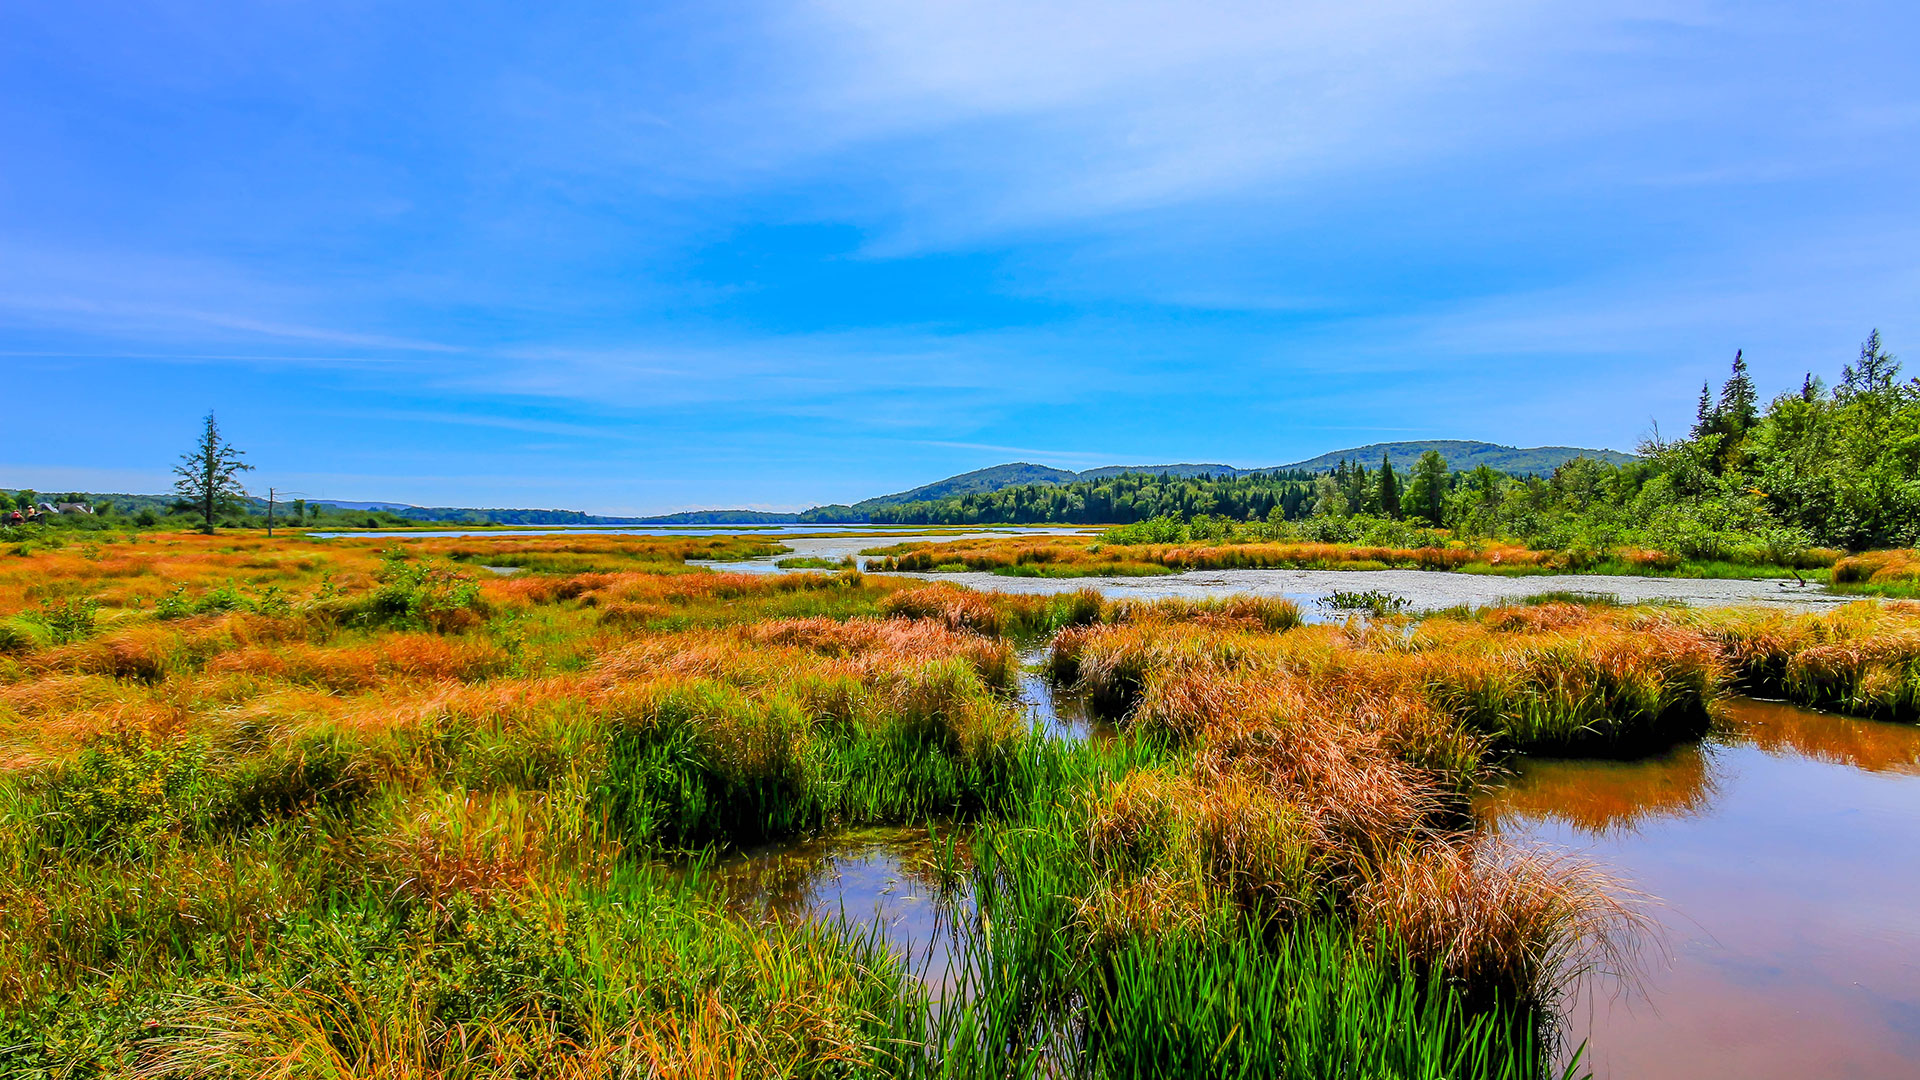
x=648, y=257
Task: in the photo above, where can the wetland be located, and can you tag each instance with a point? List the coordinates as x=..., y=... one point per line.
x=366, y=805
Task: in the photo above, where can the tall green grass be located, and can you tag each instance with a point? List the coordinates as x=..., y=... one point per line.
x=1216, y=990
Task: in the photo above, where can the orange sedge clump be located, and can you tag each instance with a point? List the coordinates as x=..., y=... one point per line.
x=1897, y=566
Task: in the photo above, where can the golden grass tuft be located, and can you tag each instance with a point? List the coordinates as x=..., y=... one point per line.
x=1492, y=915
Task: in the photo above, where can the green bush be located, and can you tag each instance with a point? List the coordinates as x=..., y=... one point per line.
x=69, y=620
x=421, y=595
x=130, y=791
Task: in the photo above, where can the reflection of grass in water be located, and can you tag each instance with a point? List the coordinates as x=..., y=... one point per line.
x=788, y=880
x=292, y=782
x=1870, y=745
x=1156, y=924
x=1604, y=797
x=1862, y=658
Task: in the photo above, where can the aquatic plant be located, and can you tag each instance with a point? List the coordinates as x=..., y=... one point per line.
x=1372, y=601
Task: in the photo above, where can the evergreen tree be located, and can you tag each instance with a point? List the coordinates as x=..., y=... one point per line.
x=209, y=474
x=1739, y=407
x=1706, y=421
x=1874, y=373
x=1389, y=488
x=1353, y=485
x=1427, y=492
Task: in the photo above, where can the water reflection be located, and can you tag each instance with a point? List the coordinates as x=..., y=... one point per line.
x=890, y=879
x=885, y=879
x=1597, y=797
x=1059, y=712
x=1782, y=853
x=1779, y=728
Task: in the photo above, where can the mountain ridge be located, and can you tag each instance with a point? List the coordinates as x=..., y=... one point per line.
x=1461, y=455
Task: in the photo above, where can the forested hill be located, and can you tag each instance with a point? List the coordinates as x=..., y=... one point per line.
x=1463, y=455
x=969, y=483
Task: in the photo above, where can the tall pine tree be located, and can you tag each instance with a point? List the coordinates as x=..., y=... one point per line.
x=1389, y=488
x=1706, y=420
x=1739, y=405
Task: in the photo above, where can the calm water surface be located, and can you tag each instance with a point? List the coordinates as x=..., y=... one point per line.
x=1424, y=590
x=887, y=878
x=1787, y=879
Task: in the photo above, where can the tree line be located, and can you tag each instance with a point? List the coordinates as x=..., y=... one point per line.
x=1128, y=497
x=1814, y=466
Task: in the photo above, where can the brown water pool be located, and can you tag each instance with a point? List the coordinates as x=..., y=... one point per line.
x=1785, y=859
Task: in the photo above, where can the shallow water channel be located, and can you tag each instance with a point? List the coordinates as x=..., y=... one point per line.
x=1424, y=590
x=1777, y=859
x=881, y=880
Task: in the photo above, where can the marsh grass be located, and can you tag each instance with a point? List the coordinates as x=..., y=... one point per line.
x=334, y=812
x=1372, y=601
x=814, y=562
x=1863, y=658
x=1894, y=574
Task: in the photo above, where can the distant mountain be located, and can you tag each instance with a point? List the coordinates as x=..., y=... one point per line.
x=1461, y=455
x=993, y=479
x=1014, y=474
x=720, y=517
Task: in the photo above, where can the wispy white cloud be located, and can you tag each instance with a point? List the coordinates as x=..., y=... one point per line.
x=1007, y=115
x=143, y=296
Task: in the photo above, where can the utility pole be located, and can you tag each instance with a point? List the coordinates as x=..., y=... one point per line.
x=269, y=513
